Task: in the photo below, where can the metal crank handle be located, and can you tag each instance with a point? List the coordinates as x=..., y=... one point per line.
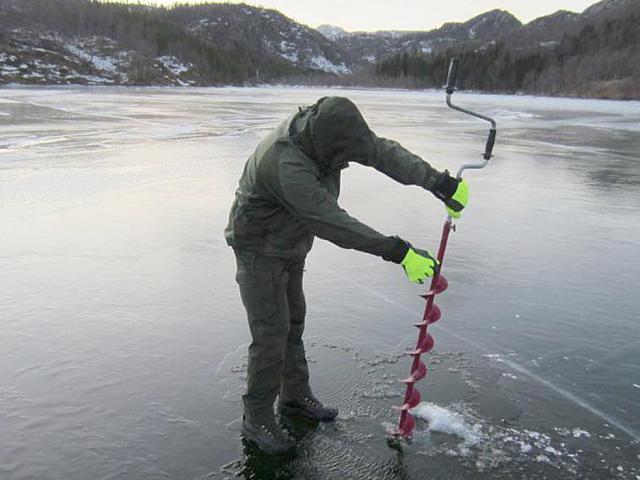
x=450, y=88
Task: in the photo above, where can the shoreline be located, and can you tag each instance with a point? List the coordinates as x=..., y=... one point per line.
x=79, y=86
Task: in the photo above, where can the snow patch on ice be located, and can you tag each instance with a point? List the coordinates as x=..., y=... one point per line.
x=577, y=433
x=488, y=445
x=505, y=114
x=493, y=356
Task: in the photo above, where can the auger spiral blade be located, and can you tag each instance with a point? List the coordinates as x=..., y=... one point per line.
x=439, y=286
x=413, y=400
x=409, y=425
x=417, y=374
x=433, y=314
x=427, y=343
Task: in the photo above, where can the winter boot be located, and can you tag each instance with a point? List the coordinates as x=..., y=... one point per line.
x=265, y=433
x=306, y=405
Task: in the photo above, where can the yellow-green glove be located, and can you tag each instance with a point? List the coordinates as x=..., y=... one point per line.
x=453, y=192
x=419, y=265
x=458, y=200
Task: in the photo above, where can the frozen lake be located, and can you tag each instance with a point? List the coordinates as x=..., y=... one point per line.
x=123, y=339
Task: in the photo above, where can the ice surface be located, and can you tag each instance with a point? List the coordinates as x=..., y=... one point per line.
x=124, y=339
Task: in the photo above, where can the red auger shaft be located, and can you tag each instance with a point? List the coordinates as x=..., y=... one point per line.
x=425, y=342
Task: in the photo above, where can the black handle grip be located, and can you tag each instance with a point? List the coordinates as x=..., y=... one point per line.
x=488, y=150
x=452, y=76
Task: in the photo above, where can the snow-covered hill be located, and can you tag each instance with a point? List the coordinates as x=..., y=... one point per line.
x=116, y=44
x=51, y=58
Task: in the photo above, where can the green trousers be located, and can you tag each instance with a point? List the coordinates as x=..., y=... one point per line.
x=271, y=291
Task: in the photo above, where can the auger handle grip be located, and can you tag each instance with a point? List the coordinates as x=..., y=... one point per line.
x=452, y=76
x=491, y=141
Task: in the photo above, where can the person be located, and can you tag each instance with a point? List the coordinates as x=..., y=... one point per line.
x=287, y=195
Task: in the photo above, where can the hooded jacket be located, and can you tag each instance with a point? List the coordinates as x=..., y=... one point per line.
x=288, y=192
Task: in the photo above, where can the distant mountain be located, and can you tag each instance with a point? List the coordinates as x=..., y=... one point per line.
x=363, y=47
x=543, y=32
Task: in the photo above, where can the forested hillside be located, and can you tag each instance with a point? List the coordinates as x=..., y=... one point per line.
x=595, y=54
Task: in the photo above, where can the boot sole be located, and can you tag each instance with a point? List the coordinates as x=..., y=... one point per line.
x=251, y=437
x=301, y=412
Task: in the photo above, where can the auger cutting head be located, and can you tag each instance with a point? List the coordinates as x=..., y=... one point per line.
x=419, y=370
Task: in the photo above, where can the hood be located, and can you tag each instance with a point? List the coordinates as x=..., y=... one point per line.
x=333, y=132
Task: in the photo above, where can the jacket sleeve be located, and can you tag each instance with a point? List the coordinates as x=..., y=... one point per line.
x=297, y=187
x=395, y=161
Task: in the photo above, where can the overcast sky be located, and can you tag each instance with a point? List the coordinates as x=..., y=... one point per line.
x=404, y=14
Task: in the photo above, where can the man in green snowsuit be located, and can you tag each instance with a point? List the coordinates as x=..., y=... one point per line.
x=287, y=196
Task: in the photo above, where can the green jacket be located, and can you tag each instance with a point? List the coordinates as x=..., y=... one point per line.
x=289, y=189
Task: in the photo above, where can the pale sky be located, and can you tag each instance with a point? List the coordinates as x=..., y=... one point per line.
x=372, y=15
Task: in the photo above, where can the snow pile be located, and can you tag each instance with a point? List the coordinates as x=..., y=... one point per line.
x=446, y=421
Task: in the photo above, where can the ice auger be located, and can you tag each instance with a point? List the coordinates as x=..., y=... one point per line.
x=439, y=284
